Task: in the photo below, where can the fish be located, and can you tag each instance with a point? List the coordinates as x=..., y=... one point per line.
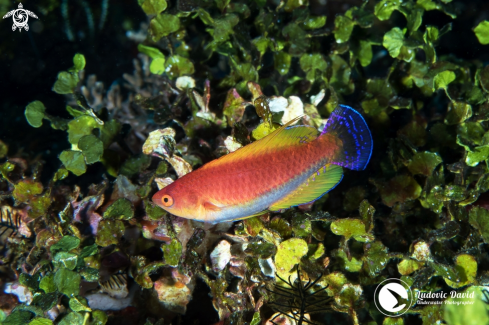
x=292, y=166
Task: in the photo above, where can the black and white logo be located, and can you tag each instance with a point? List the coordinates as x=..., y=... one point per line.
x=20, y=17
x=393, y=297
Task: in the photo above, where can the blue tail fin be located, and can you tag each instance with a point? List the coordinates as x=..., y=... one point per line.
x=347, y=124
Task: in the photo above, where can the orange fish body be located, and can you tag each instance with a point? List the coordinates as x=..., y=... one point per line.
x=292, y=166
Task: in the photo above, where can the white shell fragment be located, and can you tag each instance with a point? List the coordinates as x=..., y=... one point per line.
x=267, y=267
x=316, y=99
x=180, y=165
x=53, y=313
x=185, y=82
x=155, y=145
x=163, y=182
x=200, y=101
x=277, y=104
x=231, y=144
x=221, y=255
x=292, y=107
x=22, y=292
x=154, y=142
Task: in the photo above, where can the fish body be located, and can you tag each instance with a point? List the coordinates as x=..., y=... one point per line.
x=293, y=165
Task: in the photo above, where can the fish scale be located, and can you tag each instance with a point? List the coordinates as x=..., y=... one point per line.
x=291, y=166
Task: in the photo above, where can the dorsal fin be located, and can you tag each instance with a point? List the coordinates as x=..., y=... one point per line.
x=282, y=137
x=318, y=184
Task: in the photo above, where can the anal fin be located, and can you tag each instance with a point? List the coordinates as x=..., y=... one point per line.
x=319, y=183
x=253, y=215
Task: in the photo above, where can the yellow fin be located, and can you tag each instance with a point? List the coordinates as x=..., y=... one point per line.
x=318, y=184
x=282, y=137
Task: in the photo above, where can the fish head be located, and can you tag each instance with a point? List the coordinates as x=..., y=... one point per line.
x=180, y=201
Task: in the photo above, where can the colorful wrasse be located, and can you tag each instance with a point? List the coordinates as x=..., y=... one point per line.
x=294, y=165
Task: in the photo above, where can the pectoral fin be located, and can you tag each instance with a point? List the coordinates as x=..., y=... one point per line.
x=318, y=184
x=211, y=207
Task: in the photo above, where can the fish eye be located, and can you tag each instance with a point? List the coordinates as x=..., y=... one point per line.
x=167, y=200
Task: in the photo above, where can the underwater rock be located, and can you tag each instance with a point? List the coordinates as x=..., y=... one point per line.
x=421, y=251
x=237, y=267
x=156, y=230
x=180, y=277
x=124, y=188
x=221, y=255
x=231, y=144
x=105, y=302
x=174, y=295
x=184, y=229
x=85, y=210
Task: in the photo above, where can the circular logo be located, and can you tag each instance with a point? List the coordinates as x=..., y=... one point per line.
x=393, y=297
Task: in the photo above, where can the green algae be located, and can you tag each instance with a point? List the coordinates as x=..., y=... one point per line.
x=67, y=282
x=34, y=113
x=482, y=32
x=78, y=304
x=110, y=232
x=65, y=244
x=120, y=209
x=288, y=255
x=153, y=7
x=458, y=314
x=172, y=252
